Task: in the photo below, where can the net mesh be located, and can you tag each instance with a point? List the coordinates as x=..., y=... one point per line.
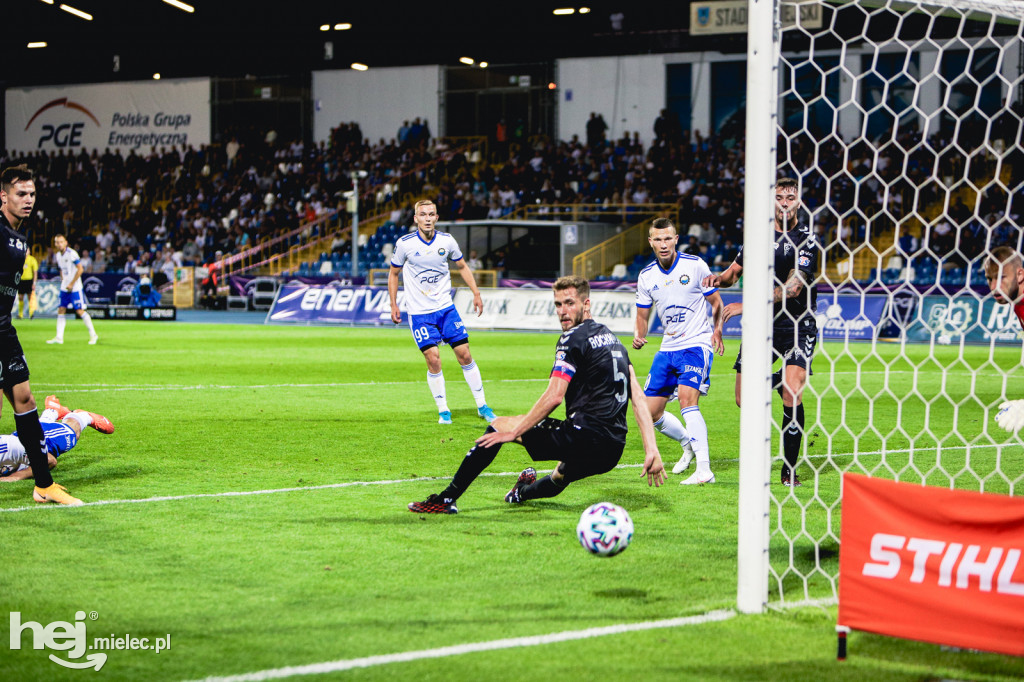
x=903, y=124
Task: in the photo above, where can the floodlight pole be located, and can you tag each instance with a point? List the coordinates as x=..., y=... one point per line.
x=353, y=208
x=755, y=381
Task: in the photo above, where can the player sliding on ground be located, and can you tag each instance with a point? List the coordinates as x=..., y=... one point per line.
x=62, y=429
x=592, y=373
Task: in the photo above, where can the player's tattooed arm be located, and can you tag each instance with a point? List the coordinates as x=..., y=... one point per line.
x=792, y=288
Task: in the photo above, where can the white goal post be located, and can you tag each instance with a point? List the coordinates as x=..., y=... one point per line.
x=902, y=122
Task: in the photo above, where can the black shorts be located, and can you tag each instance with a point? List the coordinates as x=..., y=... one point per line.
x=581, y=451
x=794, y=346
x=13, y=366
x=25, y=286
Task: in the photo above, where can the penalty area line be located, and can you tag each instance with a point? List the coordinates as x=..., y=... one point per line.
x=246, y=493
x=475, y=647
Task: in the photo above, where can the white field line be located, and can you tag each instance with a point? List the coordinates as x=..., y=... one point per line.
x=475, y=647
x=99, y=388
x=419, y=479
x=269, y=491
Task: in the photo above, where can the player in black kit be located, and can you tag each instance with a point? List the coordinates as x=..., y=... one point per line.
x=17, y=199
x=794, y=330
x=592, y=373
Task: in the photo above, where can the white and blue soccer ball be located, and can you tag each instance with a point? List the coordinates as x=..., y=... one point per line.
x=605, y=529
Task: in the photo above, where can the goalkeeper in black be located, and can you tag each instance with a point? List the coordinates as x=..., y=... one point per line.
x=17, y=199
x=592, y=373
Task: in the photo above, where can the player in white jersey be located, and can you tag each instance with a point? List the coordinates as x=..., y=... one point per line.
x=62, y=429
x=70, y=290
x=422, y=257
x=673, y=284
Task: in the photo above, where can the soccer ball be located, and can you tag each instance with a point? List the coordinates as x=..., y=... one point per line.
x=605, y=529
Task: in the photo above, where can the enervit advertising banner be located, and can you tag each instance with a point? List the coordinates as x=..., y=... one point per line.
x=839, y=317
x=124, y=116
x=932, y=564
x=331, y=304
x=975, y=320
x=503, y=308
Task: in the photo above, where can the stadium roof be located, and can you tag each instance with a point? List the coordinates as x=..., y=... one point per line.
x=132, y=39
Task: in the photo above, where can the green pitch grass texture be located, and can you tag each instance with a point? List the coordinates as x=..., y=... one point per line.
x=337, y=568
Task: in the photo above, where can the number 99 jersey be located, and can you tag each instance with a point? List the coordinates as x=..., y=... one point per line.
x=596, y=365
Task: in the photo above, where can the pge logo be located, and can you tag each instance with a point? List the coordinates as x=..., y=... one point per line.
x=430, y=277
x=127, y=284
x=92, y=285
x=674, y=314
x=62, y=135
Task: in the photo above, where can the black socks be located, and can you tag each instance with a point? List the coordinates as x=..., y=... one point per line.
x=30, y=433
x=476, y=460
x=792, y=433
x=542, y=487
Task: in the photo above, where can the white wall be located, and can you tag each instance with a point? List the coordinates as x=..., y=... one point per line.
x=378, y=99
x=630, y=92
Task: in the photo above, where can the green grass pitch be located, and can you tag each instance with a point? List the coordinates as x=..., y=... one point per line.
x=338, y=428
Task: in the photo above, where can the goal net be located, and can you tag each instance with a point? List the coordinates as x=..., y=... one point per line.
x=902, y=122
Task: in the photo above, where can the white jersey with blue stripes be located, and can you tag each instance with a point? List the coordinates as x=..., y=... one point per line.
x=59, y=439
x=680, y=299
x=68, y=264
x=425, y=275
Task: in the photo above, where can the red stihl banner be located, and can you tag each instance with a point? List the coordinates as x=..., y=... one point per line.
x=932, y=564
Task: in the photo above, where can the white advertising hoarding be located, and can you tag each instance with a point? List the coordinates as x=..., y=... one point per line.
x=125, y=116
x=534, y=309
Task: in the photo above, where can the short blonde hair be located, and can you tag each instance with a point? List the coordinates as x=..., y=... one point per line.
x=423, y=202
x=1002, y=256
x=576, y=282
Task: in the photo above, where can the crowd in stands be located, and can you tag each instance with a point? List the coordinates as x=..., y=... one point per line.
x=150, y=212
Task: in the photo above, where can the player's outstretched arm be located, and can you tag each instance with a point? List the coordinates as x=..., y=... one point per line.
x=653, y=468
x=396, y=314
x=640, y=326
x=552, y=397
x=1011, y=415
x=732, y=310
x=725, y=279
x=19, y=475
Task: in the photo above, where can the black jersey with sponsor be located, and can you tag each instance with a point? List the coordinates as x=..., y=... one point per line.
x=596, y=365
x=12, y=262
x=795, y=249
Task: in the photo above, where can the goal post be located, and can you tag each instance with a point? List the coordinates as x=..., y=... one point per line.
x=903, y=124
x=755, y=414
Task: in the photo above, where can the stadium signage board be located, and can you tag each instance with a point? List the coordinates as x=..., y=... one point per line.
x=839, y=316
x=131, y=312
x=932, y=564
x=730, y=16
x=947, y=320
x=123, y=116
